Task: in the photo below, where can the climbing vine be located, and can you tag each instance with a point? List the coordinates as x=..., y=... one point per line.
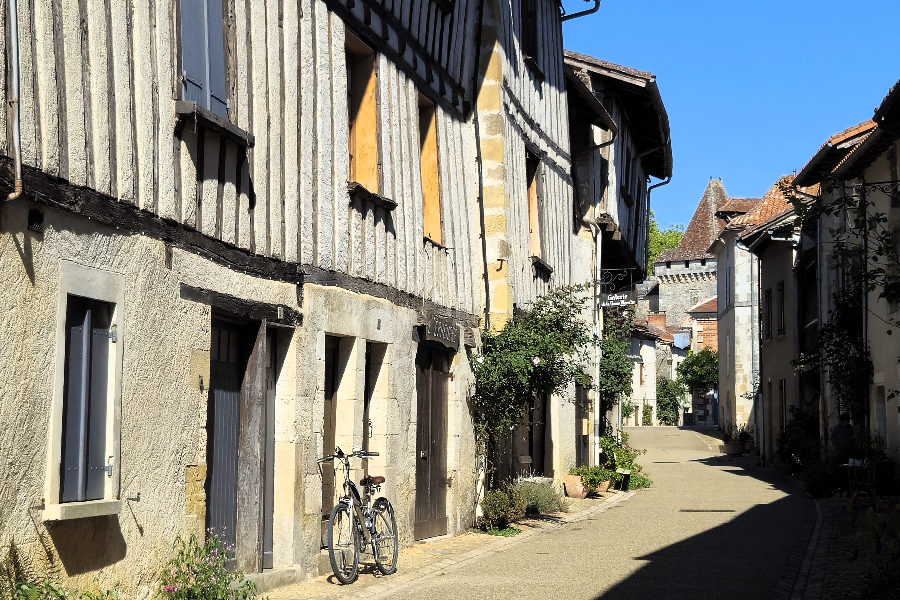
x=542, y=349
x=616, y=367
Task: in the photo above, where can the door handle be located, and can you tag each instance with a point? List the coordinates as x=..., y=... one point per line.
x=423, y=454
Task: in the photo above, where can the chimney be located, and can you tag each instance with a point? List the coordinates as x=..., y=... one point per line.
x=657, y=320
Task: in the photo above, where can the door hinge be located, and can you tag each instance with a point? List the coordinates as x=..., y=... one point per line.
x=113, y=336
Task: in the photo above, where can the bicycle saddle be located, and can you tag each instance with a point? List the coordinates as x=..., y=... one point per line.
x=371, y=480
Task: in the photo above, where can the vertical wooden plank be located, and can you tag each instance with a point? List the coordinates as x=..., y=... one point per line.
x=29, y=110
x=46, y=86
x=291, y=83
x=143, y=54
x=126, y=175
x=339, y=147
x=248, y=551
x=189, y=162
x=166, y=78
x=275, y=168
x=307, y=139
x=76, y=118
x=4, y=92
x=324, y=139
x=261, y=155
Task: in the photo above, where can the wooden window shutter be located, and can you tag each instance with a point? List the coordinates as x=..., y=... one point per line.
x=195, y=86
x=218, y=100
x=76, y=407
x=96, y=438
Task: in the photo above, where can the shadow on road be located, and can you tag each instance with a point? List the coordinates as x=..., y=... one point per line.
x=755, y=556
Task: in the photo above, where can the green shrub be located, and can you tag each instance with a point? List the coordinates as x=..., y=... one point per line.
x=200, y=572
x=501, y=507
x=647, y=415
x=19, y=581
x=638, y=481
x=798, y=443
x=540, y=498
x=669, y=398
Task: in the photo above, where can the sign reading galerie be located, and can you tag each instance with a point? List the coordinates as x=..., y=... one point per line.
x=618, y=299
x=441, y=329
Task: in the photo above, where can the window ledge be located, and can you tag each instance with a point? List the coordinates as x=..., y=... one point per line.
x=81, y=510
x=532, y=65
x=540, y=264
x=359, y=192
x=186, y=110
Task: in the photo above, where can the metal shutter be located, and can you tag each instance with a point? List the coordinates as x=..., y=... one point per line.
x=218, y=102
x=193, y=52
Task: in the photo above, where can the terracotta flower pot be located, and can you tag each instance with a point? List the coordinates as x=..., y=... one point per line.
x=575, y=487
x=603, y=487
x=734, y=448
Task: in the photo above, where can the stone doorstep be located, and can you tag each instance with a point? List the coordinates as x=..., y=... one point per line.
x=270, y=579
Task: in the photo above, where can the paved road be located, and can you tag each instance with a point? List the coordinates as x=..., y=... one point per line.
x=708, y=528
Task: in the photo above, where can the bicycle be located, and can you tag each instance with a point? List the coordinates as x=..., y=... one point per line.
x=356, y=526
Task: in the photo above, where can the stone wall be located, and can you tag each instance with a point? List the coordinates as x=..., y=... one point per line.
x=682, y=286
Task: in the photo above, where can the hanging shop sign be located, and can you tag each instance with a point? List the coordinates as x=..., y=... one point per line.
x=442, y=330
x=618, y=299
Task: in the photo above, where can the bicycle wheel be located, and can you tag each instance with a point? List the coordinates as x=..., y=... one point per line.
x=385, y=536
x=343, y=551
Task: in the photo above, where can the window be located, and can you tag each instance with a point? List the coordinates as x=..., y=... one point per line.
x=362, y=115
x=727, y=287
x=203, y=55
x=428, y=165
x=780, y=292
x=702, y=262
x=85, y=399
x=534, y=216
x=687, y=264
x=782, y=401
x=84, y=452
x=767, y=314
x=529, y=28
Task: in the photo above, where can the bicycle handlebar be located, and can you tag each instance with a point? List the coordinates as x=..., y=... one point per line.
x=338, y=453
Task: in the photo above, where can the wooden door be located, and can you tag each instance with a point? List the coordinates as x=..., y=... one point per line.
x=432, y=384
x=537, y=438
x=226, y=370
x=269, y=461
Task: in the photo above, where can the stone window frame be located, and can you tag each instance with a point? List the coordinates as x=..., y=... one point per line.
x=106, y=286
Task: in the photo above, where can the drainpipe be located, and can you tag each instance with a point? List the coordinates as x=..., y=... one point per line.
x=14, y=100
x=478, y=163
x=589, y=11
x=665, y=181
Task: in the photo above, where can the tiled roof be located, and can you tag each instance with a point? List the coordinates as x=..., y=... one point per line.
x=605, y=64
x=704, y=227
x=833, y=153
x=771, y=204
x=739, y=205
x=646, y=329
x=708, y=305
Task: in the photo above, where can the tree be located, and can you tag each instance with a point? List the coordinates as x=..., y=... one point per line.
x=660, y=240
x=616, y=367
x=669, y=398
x=699, y=372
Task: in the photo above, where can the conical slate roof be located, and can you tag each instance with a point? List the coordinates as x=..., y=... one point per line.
x=704, y=227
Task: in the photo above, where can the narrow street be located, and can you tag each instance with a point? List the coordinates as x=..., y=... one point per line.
x=709, y=527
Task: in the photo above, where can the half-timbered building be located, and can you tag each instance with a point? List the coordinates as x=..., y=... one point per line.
x=241, y=233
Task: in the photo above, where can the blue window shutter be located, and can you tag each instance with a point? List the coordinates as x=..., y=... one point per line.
x=75, y=402
x=218, y=100
x=96, y=453
x=195, y=85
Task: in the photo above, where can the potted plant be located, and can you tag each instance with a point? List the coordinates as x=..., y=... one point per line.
x=733, y=444
x=582, y=481
x=746, y=438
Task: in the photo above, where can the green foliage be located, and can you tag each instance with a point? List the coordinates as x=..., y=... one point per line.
x=628, y=408
x=200, y=572
x=505, y=532
x=616, y=368
x=593, y=476
x=669, y=399
x=19, y=581
x=639, y=481
x=699, y=371
x=540, y=350
x=540, y=498
x=501, y=507
x=798, y=444
x=660, y=240
x=647, y=415
x=620, y=455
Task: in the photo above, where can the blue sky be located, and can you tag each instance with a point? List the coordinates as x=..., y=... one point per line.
x=752, y=89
